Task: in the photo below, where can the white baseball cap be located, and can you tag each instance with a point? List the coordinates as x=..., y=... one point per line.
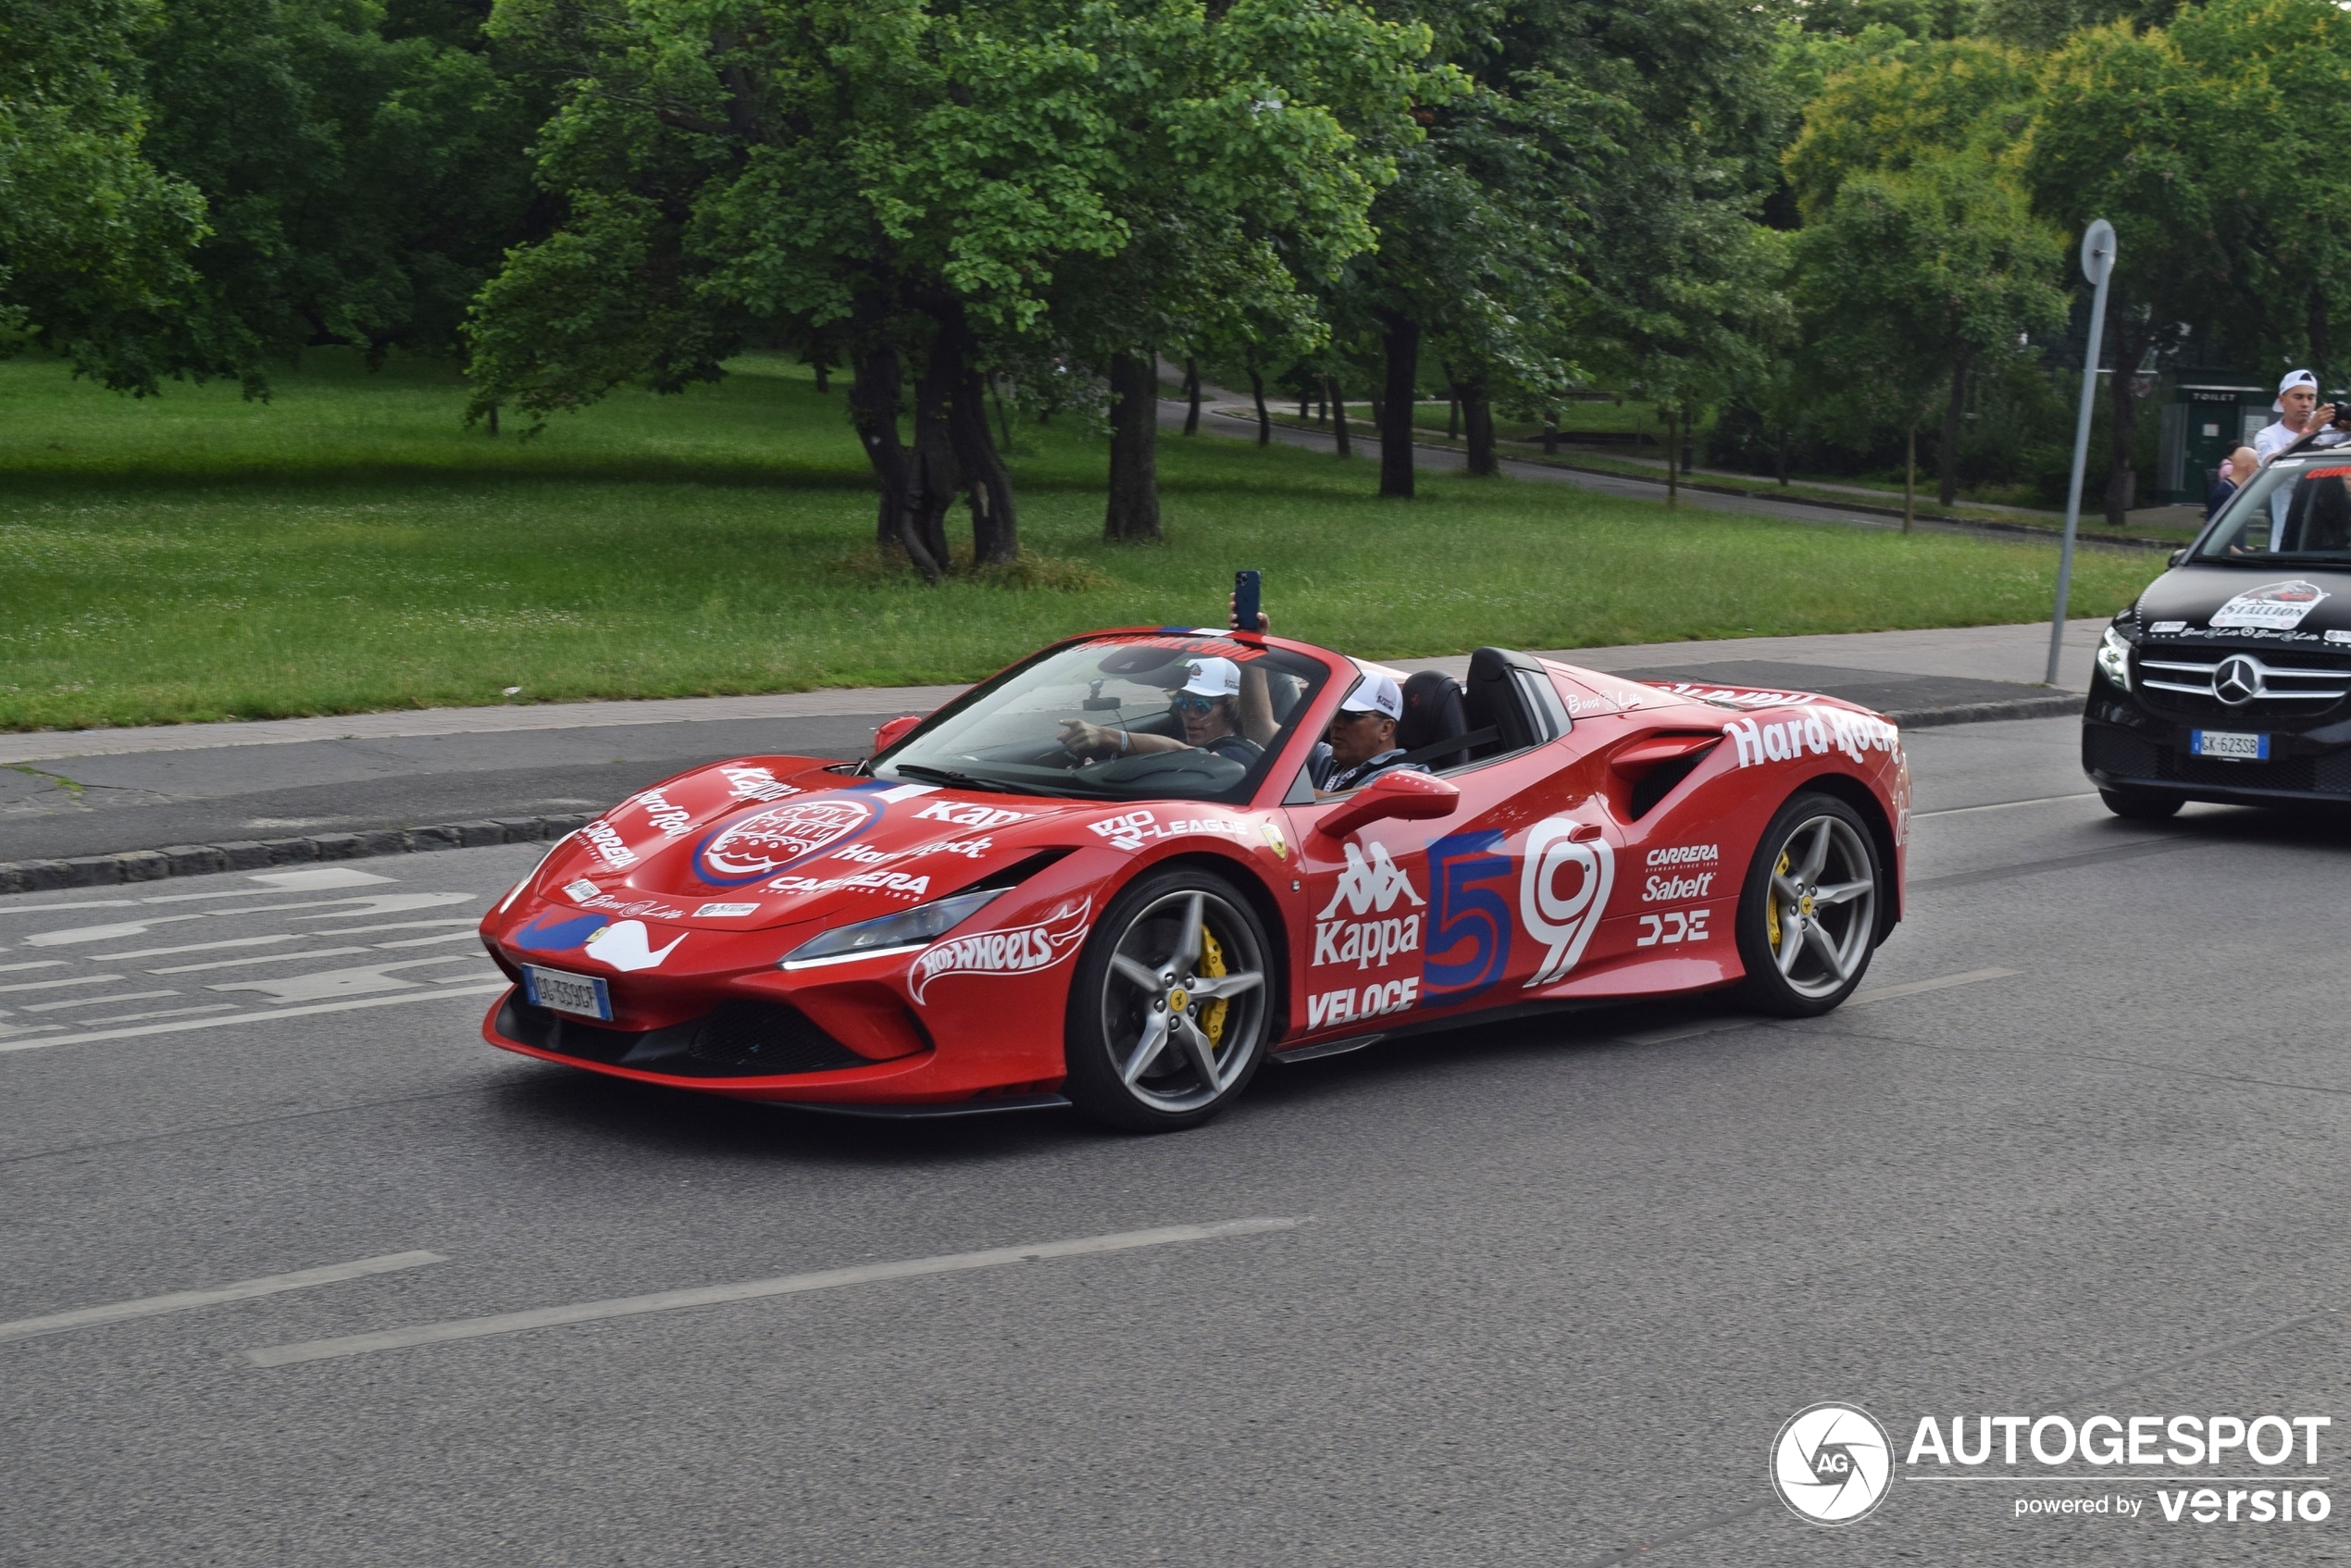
x=2292, y=379
x=1212, y=678
x=1374, y=693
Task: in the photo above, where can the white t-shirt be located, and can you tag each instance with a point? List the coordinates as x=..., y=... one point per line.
x=2272, y=439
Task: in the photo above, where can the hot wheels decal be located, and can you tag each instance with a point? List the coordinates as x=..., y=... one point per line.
x=767, y=840
x=2277, y=607
x=1562, y=891
x=1017, y=950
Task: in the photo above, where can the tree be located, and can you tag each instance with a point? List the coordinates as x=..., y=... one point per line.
x=94, y=237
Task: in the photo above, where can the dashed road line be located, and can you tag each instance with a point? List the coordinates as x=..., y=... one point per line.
x=752, y=1290
x=187, y=1300
x=1920, y=988
x=2005, y=805
x=60, y=985
x=258, y=958
x=92, y=1037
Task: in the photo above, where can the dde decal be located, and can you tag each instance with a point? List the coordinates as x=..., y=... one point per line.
x=1671, y=927
x=1016, y=950
x=1563, y=893
x=768, y=841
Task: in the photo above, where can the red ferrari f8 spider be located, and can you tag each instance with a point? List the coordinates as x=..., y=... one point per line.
x=985, y=914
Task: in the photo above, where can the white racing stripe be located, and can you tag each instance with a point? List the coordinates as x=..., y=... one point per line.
x=186, y=1301
x=2005, y=805
x=1916, y=987
x=753, y=1289
x=89, y=1036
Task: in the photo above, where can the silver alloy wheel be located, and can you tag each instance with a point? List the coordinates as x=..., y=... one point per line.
x=1820, y=909
x=1167, y=1045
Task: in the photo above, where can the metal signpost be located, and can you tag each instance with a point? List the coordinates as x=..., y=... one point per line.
x=2097, y=266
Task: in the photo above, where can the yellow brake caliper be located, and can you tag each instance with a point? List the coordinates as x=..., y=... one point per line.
x=1772, y=904
x=1211, y=963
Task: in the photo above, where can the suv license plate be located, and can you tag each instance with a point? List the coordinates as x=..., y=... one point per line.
x=583, y=994
x=2229, y=746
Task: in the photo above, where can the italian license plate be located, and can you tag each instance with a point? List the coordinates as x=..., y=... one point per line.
x=2229, y=746
x=583, y=994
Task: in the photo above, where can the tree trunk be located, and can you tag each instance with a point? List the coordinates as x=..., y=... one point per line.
x=936, y=477
x=1948, y=481
x=876, y=386
x=1305, y=405
x=988, y=483
x=1395, y=414
x=1338, y=414
x=1134, y=448
x=1909, y=473
x=1004, y=420
x=1782, y=463
x=1453, y=417
x=1477, y=411
x=1672, y=460
x=1191, y=397
x=1264, y=420
x=1550, y=435
x=493, y=418
x=824, y=374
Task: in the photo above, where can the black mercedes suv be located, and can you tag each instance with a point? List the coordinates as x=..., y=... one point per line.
x=2228, y=680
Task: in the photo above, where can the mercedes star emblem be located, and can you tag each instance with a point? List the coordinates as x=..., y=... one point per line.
x=2237, y=681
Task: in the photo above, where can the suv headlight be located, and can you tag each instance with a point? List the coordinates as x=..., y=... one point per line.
x=2114, y=657
x=902, y=932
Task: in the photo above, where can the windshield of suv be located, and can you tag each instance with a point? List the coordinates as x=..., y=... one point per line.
x=2296, y=509
x=1107, y=720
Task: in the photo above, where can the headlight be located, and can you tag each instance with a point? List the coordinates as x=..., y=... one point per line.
x=892, y=933
x=2114, y=659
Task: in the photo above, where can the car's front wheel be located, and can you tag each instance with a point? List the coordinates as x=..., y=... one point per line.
x=1169, y=1010
x=1807, y=913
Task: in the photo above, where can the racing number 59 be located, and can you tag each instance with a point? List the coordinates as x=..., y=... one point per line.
x=1469, y=921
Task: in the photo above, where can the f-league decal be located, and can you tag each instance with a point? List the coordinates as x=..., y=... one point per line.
x=1562, y=894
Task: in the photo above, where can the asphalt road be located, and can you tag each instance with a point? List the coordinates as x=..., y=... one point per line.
x=1558, y=1283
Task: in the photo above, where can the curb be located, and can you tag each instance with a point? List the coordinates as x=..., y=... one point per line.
x=198, y=860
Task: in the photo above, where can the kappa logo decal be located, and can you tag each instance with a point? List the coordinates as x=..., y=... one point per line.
x=768, y=841
x=964, y=816
x=1017, y=950
x=755, y=784
x=1370, y=885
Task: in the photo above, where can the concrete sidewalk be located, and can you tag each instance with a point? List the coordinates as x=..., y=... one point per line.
x=105, y=805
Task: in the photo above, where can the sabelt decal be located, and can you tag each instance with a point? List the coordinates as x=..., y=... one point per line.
x=768, y=841
x=2273, y=606
x=1673, y=926
x=609, y=848
x=662, y=813
x=1016, y=950
x=1368, y=886
x=625, y=946
x=1657, y=889
x=1379, y=997
x=1817, y=731
x=755, y=784
x=1562, y=891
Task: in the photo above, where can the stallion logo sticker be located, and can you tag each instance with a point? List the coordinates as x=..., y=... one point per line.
x=2276, y=606
x=767, y=840
x=1019, y=950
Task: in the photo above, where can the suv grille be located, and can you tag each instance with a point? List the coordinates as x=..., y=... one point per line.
x=2212, y=685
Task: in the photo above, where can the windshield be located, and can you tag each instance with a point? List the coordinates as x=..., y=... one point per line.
x=1155, y=715
x=2296, y=509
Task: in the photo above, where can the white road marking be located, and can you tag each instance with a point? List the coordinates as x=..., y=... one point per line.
x=752, y=1290
x=71, y=935
x=53, y=908
x=2005, y=805
x=159, y=1013
x=396, y=926
x=186, y=1301
x=1687, y=1032
x=92, y=1037
x=43, y=964
x=465, y=935
x=96, y=1001
x=1915, y=988
x=377, y=904
x=318, y=877
x=321, y=984
x=258, y=958
x=59, y=985
x=194, y=947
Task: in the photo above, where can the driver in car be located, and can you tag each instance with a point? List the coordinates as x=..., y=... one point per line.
x=1359, y=746
x=1207, y=705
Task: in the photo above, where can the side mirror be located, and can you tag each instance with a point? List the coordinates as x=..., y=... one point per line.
x=2177, y=556
x=1409, y=797
x=889, y=734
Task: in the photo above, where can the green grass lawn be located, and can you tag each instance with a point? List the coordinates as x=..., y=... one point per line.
x=348, y=547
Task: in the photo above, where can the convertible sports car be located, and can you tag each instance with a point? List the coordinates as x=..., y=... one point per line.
x=981, y=916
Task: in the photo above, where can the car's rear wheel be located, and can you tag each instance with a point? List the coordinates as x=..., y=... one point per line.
x=2134, y=805
x=1170, y=1006
x=1807, y=913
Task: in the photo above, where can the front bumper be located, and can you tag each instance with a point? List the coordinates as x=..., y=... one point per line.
x=2126, y=747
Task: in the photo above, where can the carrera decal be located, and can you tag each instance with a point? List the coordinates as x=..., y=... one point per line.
x=1685, y=854
x=1017, y=950
x=897, y=882
x=1562, y=890
x=2275, y=606
x=609, y=848
x=1673, y=926
x=768, y=841
x=1469, y=923
x=624, y=945
x=1379, y=997
x=1819, y=731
